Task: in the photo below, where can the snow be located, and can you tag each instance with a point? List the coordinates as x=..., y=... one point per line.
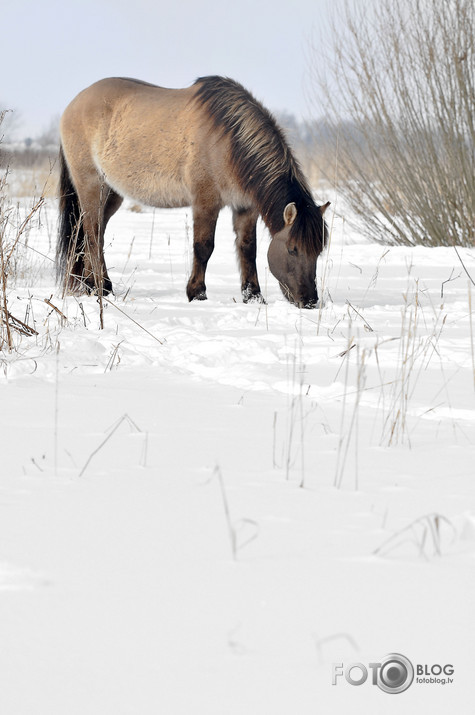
x=333, y=447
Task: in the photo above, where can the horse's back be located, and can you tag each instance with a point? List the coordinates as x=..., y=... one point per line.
x=143, y=138
x=107, y=97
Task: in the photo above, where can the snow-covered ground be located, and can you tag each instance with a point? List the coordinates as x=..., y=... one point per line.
x=204, y=506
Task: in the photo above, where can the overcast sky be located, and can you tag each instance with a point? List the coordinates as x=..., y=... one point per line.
x=52, y=49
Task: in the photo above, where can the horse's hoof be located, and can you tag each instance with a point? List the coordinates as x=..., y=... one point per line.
x=199, y=296
x=255, y=299
x=248, y=296
x=107, y=287
x=90, y=288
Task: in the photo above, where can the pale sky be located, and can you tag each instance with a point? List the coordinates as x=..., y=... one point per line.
x=52, y=49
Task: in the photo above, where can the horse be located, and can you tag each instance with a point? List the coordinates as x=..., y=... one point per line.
x=207, y=146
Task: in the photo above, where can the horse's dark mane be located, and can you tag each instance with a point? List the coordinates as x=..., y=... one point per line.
x=263, y=161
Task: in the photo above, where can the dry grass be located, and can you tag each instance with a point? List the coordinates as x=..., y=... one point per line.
x=37, y=182
x=425, y=535
x=31, y=173
x=242, y=531
x=13, y=234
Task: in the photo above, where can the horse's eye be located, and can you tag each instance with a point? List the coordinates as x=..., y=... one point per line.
x=292, y=251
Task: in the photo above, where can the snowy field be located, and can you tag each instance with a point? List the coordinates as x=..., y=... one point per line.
x=204, y=506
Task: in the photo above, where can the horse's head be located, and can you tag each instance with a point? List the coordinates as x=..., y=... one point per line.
x=293, y=262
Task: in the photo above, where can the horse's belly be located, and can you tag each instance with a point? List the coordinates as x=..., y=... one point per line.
x=151, y=172
x=150, y=187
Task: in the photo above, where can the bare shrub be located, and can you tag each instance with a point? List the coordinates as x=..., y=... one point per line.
x=399, y=100
x=12, y=230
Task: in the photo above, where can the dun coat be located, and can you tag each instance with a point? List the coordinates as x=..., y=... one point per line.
x=207, y=146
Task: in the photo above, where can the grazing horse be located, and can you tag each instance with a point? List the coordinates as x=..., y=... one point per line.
x=207, y=146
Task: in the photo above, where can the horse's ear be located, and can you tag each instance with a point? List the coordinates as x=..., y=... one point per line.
x=324, y=207
x=290, y=214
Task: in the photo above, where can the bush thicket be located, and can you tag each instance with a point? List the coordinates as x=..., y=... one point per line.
x=401, y=80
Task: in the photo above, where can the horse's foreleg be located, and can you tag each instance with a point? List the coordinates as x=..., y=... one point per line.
x=204, y=225
x=244, y=223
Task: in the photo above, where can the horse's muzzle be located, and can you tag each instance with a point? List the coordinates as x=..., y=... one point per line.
x=307, y=300
x=309, y=304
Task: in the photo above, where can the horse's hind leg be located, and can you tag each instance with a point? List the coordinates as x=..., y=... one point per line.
x=112, y=204
x=204, y=226
x=244, y=223
x=98, y=206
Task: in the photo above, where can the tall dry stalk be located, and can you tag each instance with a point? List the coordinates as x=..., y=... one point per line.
x=472, y=349
x=4, y=325
x=4, y=315
x=5, y=329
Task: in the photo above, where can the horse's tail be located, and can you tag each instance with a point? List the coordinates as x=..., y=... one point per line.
x=70, y=246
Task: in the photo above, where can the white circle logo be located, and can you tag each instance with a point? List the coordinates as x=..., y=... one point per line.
x=395, y=674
